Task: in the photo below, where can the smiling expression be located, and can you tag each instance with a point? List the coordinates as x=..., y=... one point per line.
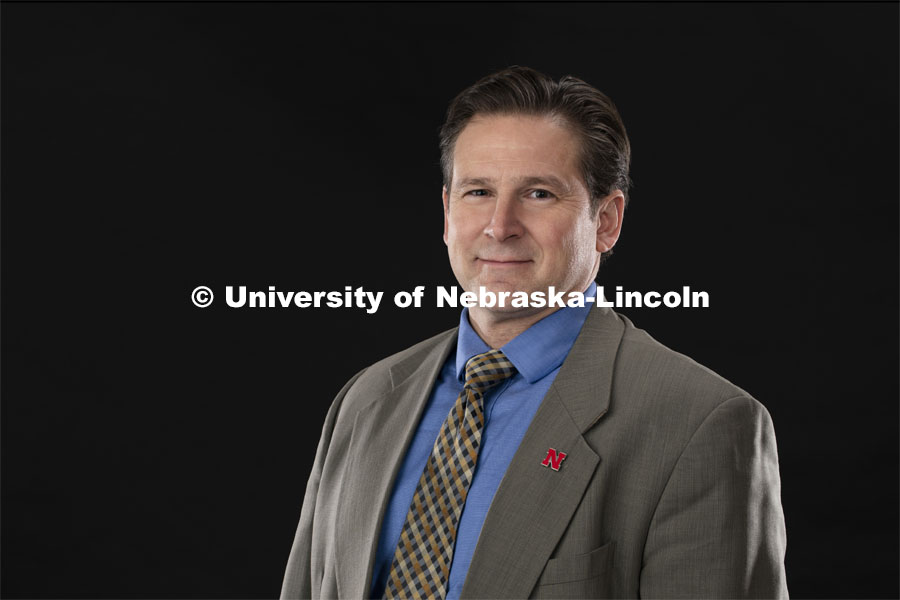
x=517, y=215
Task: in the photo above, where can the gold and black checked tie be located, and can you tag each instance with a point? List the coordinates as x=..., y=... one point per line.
x=421, y=563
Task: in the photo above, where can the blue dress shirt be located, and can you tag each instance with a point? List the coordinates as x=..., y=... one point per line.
x=537, y=354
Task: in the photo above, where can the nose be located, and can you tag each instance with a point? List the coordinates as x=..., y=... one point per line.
x=504, y=223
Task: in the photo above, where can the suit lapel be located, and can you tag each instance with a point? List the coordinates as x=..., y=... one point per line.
x=381, y=435
x=534, y=504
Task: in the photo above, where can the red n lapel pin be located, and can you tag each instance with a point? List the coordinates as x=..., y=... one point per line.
x=553, y=459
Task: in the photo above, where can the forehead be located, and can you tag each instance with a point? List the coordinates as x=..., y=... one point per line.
x=515, y=146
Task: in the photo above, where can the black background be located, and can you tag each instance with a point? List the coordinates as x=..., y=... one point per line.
x=155, y=449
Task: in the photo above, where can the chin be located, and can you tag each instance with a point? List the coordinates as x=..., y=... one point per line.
x=507, y=312
x=497, y=287
x=501, y=313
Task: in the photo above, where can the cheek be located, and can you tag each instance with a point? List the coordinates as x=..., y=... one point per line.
x=570, y=246
x=585, y=245
x=560, y=242
x=452, y=234
x=460, y=230
x=455, y=240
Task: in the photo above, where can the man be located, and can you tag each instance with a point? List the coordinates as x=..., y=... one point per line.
x=539, y=451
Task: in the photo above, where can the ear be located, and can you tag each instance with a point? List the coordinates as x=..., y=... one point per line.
x=446, y=200
x=609, y=220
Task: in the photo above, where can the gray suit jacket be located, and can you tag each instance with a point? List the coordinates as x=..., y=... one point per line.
x=670, y=487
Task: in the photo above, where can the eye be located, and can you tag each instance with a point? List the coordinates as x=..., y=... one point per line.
x=478, y=193
x=541, y=195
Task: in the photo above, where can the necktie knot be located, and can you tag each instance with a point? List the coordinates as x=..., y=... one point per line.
x=484, y=371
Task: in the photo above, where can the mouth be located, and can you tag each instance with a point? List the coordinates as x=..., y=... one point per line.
x=502, y=262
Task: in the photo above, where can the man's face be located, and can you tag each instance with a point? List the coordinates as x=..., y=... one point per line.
x=517, y=215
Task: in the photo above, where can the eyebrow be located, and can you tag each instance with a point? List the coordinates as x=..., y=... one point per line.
x=547, y=180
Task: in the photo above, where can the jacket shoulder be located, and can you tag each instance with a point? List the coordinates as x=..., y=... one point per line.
x=668, y=377
x=383, y=375
x=422, y=348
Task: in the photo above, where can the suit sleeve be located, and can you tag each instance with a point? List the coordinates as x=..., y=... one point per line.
x=718, y=530
x=297, y=576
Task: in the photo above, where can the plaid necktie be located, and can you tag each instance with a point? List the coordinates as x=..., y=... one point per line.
x=421, y=563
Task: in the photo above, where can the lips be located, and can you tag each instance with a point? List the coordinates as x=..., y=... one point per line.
x=503, y=261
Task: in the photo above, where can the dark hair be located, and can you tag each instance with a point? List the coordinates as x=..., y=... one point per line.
x=605, y=149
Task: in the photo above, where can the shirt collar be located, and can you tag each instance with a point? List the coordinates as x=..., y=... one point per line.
x=535, y=352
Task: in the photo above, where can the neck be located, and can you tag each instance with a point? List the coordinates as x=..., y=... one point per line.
x=497, y=329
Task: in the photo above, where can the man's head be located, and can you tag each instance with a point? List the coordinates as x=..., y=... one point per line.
x=604, y=152
x=535, y=182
